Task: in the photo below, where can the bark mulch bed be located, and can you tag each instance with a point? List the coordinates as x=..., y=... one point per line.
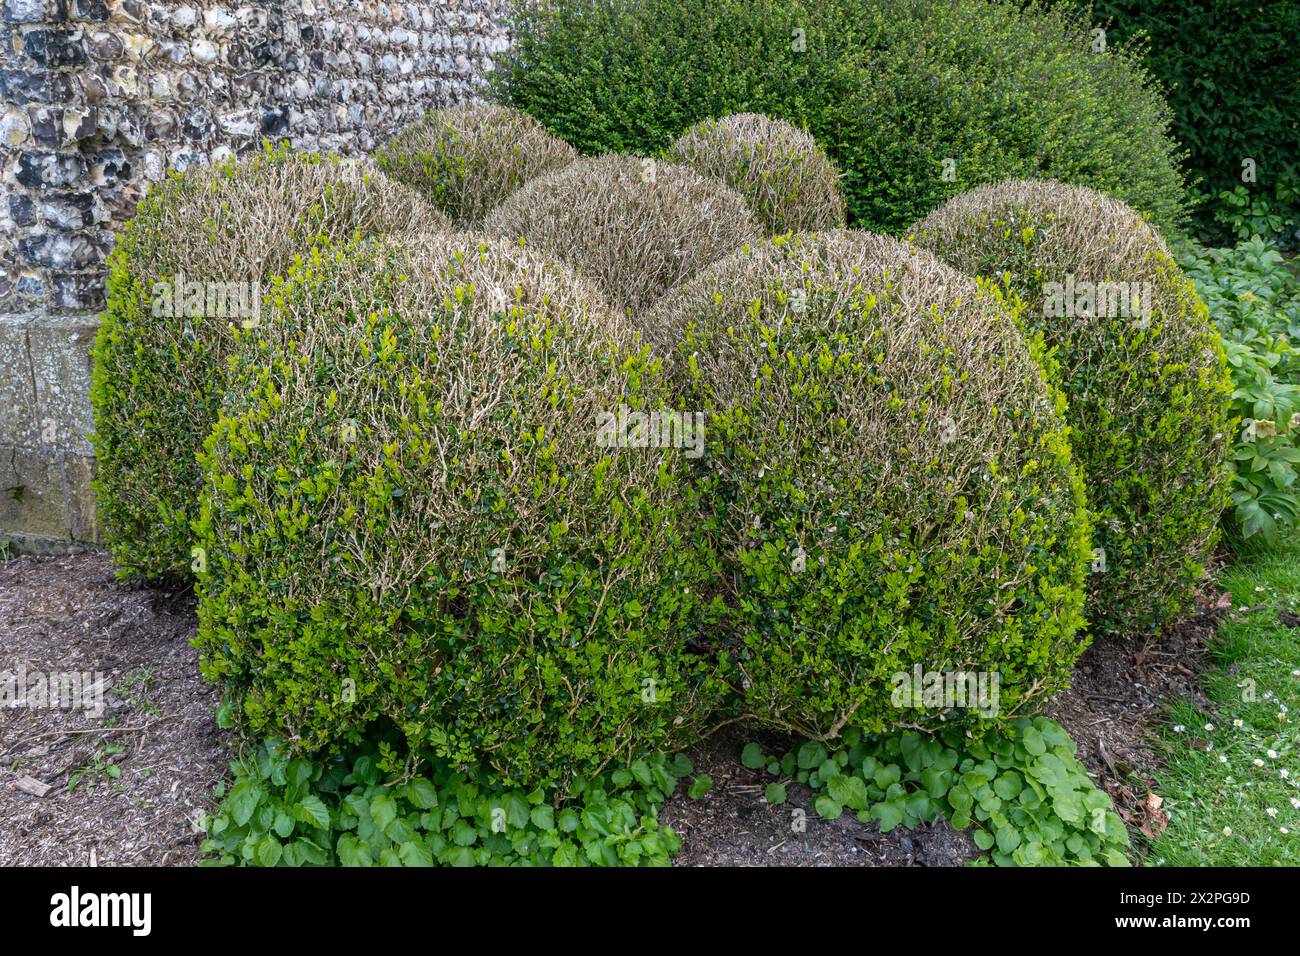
x=126, y=786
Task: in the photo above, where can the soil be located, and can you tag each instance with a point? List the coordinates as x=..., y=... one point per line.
x=126, y=786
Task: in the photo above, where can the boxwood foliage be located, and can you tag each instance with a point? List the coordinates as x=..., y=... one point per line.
x=638, y=226
x=890, y=477
x=914, y=100
x=410, y=518
x=777, y=167
x=196, y=260
x=1145, y=378
x=466, y=158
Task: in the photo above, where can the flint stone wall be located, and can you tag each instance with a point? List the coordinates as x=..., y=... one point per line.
x=100, y=98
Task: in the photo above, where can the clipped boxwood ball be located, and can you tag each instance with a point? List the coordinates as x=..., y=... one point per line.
x=465, y=159
x=637, y=226
x=197, y=260
x=1140, y=365
x=779, y=169
x=891, y=481
x=412, y=518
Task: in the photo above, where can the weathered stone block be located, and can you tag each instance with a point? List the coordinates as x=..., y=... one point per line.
x=78, y=473
x=17, y=391
x=32, y=499
x=60, y=359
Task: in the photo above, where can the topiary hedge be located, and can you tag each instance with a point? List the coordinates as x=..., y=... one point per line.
x=196, y=261
x=779, y=169
x=637, y=226
x=1140, y=364
x=913, y=100
x=465, y=159
x=890, y=481
x=411, y=518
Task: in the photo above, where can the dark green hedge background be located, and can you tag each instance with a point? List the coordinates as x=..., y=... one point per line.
x=1232, y=73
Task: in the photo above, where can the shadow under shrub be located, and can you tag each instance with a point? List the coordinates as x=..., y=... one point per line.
x=203, y=249
x=409, y=517
x=888, y=479
x=891, y=89
x=1142, y=369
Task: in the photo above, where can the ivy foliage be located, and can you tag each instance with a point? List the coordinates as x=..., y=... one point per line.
x=1230, y=74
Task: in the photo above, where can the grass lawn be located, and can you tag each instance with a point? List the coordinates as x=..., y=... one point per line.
x=1238, y=802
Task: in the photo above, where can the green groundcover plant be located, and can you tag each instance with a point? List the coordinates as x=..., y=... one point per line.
x=349, y=810
x=1023, y=791
x=913, y=100
x=1254, y=298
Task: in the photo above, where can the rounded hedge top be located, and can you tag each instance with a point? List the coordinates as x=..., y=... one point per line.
x=891, y=479
x=465, y=159
x=914, y=100
x=411, y=517
x=1141, y=367
x=777, y=167
x=637, y=226
x=195, y=261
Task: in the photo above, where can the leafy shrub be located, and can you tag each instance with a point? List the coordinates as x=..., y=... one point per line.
x=1030, y=801
x=347, y=811
x=1254, y=299
x=890, y=479
x=1218, y=61
x=221, y=232
x=892, y=90
x=637, y=226
x=1143, y=372
x=1248, y=212
x=778, y=168
x=411, y=518
x=465, y=159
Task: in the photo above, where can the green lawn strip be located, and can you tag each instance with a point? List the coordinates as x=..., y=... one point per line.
x=1238, y=803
